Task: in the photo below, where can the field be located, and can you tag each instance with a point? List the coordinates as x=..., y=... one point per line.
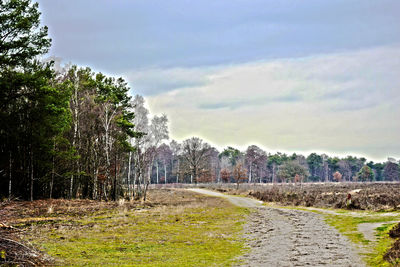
x=177, y=227
x=173, y=228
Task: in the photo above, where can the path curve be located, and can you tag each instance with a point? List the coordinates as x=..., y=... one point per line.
x=284, y=237
x=244, y=202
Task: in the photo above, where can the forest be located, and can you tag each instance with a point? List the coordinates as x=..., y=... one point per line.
x=72, y=132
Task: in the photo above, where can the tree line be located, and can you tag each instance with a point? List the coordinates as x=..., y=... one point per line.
x=72, y=132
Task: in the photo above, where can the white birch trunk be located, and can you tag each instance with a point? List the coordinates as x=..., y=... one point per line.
x=157, y=171
x=129, y=175
x=165, y=172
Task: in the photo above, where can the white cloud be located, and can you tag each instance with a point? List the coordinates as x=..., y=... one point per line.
x=340, y=103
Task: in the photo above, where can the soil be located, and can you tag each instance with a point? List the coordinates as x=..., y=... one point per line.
x=283, y=237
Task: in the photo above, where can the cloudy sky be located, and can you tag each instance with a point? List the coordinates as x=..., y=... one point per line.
x=293, y=76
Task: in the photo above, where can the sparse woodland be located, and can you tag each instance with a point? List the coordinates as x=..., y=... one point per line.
x=75, y=133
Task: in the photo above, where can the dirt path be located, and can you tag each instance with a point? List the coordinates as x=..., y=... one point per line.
x=283, y=237
x=244, y=202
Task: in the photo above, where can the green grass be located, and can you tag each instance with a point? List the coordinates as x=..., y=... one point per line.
x=204, y=235
x=373, y=251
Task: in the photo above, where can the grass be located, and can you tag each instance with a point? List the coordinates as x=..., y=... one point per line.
x=202, y=232
x=373, y=251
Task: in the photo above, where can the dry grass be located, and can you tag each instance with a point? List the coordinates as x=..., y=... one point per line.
x=365, y=196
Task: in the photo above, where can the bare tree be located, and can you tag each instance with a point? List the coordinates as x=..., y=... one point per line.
x=195, y=151
x=239, y=174
x=176, y=149
x=256, y=161
x=164, y=154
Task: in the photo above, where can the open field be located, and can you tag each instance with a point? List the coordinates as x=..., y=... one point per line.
x=174, y=228
x=180, y=227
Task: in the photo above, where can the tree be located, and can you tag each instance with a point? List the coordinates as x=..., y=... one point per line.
x=158, y=133
x=355, y=164
x=232, y=154
x=225, y=175
x=21, y=37
x=239, y=174
x=146, y=143
x=274, y=161
x=365, y=174
x=195, y=151
x=176, y=149
x=26, y=94
x=314, y=162
x=164, y=154
x=391, y=171
x=337, y=176
x=290, y=169
x=256, y=161
x=345, y=170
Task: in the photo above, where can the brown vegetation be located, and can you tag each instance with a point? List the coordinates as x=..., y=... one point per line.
x=393, y=254
x=365, y=196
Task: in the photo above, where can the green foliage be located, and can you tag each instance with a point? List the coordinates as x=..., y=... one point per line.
x=290, y=169
x=232, y=154
x=36, y=105
x=21, y=37
x=365, y=174
x=277, y=159
x=314, y=162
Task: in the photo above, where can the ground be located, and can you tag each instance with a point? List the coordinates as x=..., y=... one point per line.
x=181, y=227
x=174, y=228
x=290, y=237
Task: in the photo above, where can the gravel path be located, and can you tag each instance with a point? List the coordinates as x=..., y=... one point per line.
x=284, y=237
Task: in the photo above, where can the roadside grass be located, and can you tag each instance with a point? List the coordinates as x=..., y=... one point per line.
x=203, y=231
x=373, y=251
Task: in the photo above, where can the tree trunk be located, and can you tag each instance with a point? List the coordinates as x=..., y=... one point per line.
x=274, y=172
x=10, y=177
x=165, y=172
x=31, y=189
x=148, y=180
x=157, y=171
x=129, y=175
x=52, y=171
x=250, y=173
x=177, y=173
x=115, y=179
x=96, y=173
x=326, y=172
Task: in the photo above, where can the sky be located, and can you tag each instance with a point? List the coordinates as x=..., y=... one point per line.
x=291, y=76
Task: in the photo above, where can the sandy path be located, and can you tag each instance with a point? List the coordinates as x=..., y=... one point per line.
x=244, y=202
x=283, y=237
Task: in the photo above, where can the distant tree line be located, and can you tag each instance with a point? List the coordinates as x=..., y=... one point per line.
x=71, y=133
